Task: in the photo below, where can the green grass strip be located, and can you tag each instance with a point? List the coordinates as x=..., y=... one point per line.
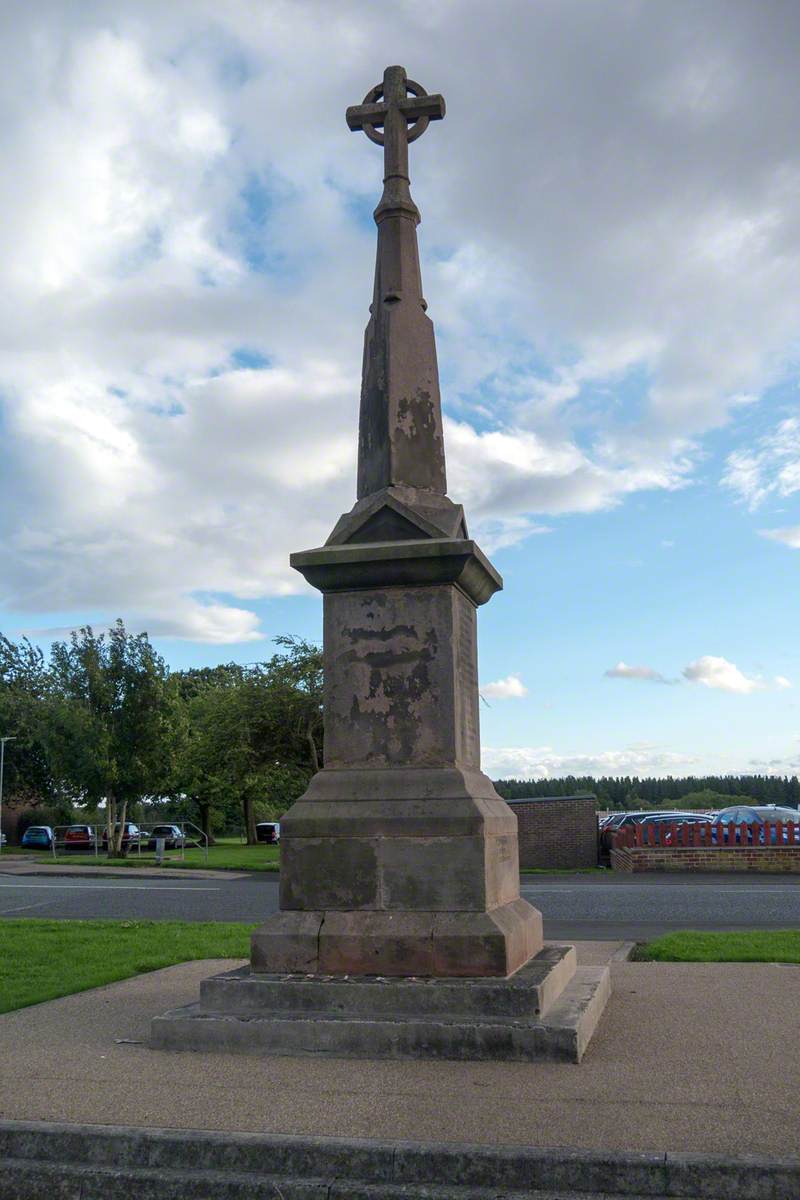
x=220, y=858
x=774, y=945
x=41, y=960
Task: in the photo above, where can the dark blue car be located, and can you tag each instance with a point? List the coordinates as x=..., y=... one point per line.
x=37, y=837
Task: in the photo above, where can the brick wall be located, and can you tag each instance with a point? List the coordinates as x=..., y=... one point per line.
x=557, y=831
x=707, y=858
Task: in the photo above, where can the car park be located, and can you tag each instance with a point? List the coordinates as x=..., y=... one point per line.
x=37, y=837
x=172, y=835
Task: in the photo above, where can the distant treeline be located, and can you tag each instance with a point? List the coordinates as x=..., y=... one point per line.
x=693, y=791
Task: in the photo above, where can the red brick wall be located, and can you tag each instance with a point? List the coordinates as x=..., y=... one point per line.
x=707, y=858
x=557, y=831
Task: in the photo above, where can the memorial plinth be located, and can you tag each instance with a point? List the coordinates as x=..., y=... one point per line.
x=400, y=862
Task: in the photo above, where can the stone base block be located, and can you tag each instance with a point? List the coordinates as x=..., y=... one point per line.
x=498, y=942
x=549, y=1010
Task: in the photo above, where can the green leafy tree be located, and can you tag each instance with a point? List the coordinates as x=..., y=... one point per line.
x=253, y=735
x=24, y=688
x=109, y=728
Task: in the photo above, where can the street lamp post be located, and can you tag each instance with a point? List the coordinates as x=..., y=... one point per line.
x=3, y=741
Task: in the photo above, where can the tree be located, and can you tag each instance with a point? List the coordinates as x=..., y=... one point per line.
x=298, y=674
x=108, y=728
x=24, y=687
x=253, y=734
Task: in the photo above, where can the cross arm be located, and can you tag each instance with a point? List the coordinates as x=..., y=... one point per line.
x=412, y=108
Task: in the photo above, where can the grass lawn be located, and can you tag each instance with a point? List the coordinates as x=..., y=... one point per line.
x=40, y=960
x=228, y=854
x=778, y=945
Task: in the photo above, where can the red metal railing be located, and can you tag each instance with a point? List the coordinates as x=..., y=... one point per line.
x=676, y=834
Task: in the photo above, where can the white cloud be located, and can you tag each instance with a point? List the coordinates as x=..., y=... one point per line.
x=771, y=467
x=542, y=762
x=646, y=674
x=715, y=672
x=789, y=535
x=605, y=290
x=510, y=688
x=781, y=681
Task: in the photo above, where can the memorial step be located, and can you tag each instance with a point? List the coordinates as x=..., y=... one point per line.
x=530, y=992
x=562, y=1034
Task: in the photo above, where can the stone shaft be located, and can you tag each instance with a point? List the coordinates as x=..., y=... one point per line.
x=400, y=424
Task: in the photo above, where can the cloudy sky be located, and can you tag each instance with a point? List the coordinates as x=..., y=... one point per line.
x=611, y=254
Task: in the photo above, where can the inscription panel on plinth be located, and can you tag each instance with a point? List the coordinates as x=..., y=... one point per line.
x=389, y=677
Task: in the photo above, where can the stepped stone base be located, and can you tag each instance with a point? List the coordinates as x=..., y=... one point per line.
x=547, y=1010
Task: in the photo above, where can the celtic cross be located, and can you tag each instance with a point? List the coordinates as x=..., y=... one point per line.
x=403, y=118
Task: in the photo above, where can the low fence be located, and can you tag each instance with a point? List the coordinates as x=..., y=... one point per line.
x=772, y=846
x=145, y=844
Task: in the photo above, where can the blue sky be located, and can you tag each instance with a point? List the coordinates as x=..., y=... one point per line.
x=187, y=262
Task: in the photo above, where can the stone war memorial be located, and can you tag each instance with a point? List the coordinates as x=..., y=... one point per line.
x=401, y=931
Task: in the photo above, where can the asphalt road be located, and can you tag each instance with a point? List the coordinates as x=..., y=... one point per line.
x=580, y=907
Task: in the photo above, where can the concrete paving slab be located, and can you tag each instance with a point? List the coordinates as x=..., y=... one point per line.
x=688, y=1057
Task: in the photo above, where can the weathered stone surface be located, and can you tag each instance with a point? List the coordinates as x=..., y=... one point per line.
x=401, y=563
x=377, y=943
x=532, y=991
x=47, y=1159
x=289, y=941
x=345, y=1029
x=329, y=872
x=399, y=942
x=398, y=513
x=401, y=682
x=498, y=942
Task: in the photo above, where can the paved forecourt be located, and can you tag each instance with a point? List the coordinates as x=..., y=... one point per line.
x=667, y=1070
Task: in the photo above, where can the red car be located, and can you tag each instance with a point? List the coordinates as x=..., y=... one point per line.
x=130, y=835
x=80, y=838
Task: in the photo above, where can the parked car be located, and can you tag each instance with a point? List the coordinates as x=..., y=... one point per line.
x=80, y=837
x=664, y=824
x=173, y=838
x=37, y=837
x=131, y=835
x=740, y=816
x=619, y=821
x=268, y=831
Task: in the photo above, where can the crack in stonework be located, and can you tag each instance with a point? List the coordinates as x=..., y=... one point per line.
x=319, y=943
